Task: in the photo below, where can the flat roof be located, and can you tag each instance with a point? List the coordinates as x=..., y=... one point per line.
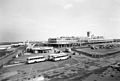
x=65, y=43
x=58, y=54
x=41, y=48
x=35, y=56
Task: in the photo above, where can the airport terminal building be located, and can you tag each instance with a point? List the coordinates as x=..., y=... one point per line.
x=76, y=41
x=66, y=41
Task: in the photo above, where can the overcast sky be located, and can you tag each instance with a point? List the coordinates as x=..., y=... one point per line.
x=41, y=19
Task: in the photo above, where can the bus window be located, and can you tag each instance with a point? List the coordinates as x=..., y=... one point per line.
x=57, y=57
x=35, y=59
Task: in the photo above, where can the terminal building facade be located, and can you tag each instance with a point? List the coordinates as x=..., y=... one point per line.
x=67, y=41
x=76, y=41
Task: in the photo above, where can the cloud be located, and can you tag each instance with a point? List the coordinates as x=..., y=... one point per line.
x=80, y=0
x=68, y=6
x=65, y=4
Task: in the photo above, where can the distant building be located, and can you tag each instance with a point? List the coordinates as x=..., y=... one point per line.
x=97, y=39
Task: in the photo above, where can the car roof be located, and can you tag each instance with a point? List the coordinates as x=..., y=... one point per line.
x=58, y=54
x=35, y=56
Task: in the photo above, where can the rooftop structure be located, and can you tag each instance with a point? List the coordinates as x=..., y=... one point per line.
x=40, y=49
x=88, y=34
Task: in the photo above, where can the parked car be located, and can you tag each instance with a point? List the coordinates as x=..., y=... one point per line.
x=116, y=66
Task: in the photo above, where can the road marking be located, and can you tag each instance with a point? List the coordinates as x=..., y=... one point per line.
x=12, y=65
x=75, y=59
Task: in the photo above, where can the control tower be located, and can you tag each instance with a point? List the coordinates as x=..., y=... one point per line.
x=88, y=34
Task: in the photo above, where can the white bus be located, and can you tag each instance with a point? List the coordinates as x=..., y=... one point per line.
x=35, y=59
x=57, y=57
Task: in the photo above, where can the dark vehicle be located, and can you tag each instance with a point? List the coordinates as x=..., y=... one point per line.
x=116, y=66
